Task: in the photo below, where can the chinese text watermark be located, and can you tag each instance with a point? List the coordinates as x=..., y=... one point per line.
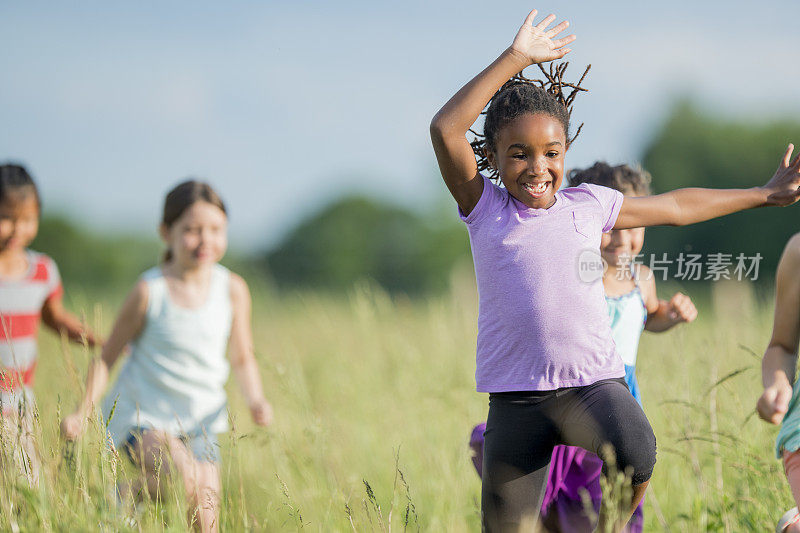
x=697, y=267
x=684, y=266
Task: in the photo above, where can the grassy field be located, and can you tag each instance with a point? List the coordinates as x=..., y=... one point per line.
x=374, y=400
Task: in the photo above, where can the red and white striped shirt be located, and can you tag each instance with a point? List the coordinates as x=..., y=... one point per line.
x=21, y=302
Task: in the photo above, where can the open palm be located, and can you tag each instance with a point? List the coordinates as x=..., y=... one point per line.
x=536, y=42
x=785, y=184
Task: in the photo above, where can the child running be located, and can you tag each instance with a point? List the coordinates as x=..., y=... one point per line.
x=545, y=350
x=168, y=401
x=30, y=291
x=779, y=403
x=633, y=305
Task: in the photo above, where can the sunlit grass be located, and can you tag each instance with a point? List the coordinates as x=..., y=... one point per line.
x=374, y=402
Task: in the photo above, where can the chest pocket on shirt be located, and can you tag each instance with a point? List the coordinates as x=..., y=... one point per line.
x=583, y=223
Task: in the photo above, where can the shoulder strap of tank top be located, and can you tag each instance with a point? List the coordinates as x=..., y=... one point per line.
x=635, y=274
x=156, y=290
x=221, y=283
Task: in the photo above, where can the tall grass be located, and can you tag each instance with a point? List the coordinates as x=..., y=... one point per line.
x=374, y=401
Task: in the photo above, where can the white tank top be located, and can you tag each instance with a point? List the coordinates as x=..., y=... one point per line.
x=175, y=375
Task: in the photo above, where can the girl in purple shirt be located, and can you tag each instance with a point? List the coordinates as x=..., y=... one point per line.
x=633, y=305
x=536, y=254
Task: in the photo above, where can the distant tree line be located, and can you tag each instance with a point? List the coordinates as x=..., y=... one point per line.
x=407, y=251
x=694, y=149
x=360, y=238
x=94, y=260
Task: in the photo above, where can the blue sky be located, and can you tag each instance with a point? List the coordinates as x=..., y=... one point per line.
x=287, y=106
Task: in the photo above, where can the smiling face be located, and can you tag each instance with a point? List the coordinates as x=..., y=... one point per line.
x=19, y=221
x=619, y=247
x=199, y=236
x=529, y=157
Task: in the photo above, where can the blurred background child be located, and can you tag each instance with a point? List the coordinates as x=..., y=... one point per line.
x=169, y=401
x=30, y=292
x=778, y=403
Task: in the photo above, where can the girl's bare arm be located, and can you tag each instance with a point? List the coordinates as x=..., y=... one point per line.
x=670, y=313
x=691, y=205
x=130, y=321
x=242, y=355
x=662, y=314
x=780, y=358
x=532, y=44
x=60, y=320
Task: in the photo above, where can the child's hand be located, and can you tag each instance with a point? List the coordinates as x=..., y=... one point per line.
x=72, y=426
x=774, y=403
x=535, y=42
x=784, y=187
x=681, y=308
x=261, y=412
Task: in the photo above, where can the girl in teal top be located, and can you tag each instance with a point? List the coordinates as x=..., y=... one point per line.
x=778, y=403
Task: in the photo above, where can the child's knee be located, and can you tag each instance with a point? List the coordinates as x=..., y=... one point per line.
x=791, y=466
x=636, y=455
x=202, y=486
x=791, y=463
x=208, y=497
x=149, y=449
x=192, y=482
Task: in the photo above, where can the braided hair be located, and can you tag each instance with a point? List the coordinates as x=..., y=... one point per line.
x=630, y=180
x=520, y=95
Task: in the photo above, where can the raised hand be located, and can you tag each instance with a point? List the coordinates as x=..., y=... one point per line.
x=784, y=187
x=536, y=43
x=681, y=308
x=774, y=402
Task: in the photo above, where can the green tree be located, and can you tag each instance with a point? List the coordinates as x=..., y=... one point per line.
x=694, y=149
x=91, y=260
x=358, y=238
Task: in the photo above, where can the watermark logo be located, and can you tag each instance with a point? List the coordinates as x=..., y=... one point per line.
x=591, y=266
x=684, y=267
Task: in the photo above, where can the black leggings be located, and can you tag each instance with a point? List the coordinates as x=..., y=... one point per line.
x=524, y=427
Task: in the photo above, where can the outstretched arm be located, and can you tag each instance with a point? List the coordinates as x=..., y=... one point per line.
x=60, y=320
x=532, y=44
x=242, y=355
x=127, y=327
x=691, y=205
x=780, y=359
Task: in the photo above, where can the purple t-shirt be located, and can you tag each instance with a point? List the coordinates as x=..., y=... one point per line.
x=542, y=320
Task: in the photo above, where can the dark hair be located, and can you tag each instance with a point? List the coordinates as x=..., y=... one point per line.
x=624, y=178
x=182, y=197
x=520, y=96
x=15, y=180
